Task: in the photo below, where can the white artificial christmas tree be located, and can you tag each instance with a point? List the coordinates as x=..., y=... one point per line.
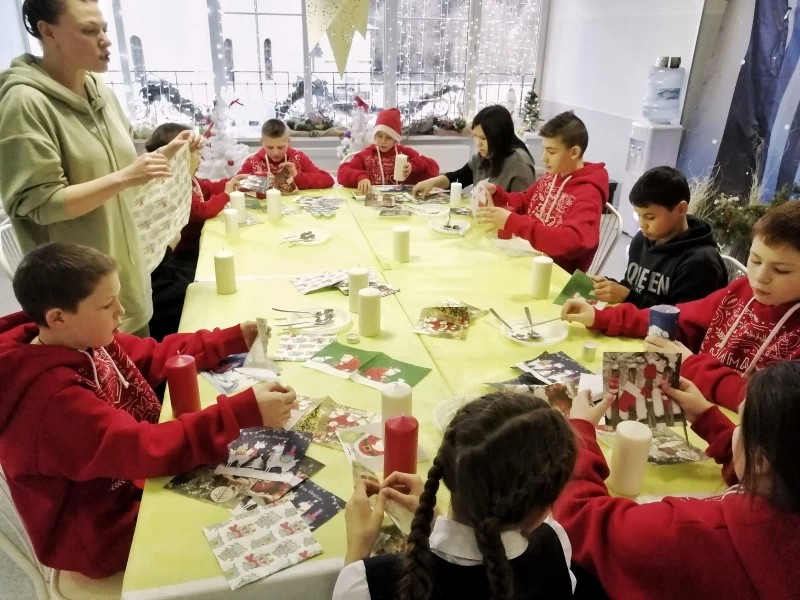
x=355, y=139
x=222, y=155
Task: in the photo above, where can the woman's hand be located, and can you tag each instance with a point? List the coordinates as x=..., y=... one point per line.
x=423, y=188
x=655, y=343
x=690, y=399
x=151, y=165
x=192, y=138
x=363, y=524
x=233, y=183
x=578, y=311
x=583, y=409
x=364, y=186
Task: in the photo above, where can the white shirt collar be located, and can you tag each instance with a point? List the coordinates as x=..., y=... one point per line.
x=456, y=543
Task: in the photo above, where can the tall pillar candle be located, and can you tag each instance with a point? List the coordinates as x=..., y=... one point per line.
x=395, y=400
x=274, y=207
x=400, y=162
x=541, y=271
x=237, y=202
x=402, y=243
x=184, y=395
x=455, y=194
x=400, y=440
x=357, y=280
x=629, y=457
x=225, y=272
x=369, y=312
x=231, y=216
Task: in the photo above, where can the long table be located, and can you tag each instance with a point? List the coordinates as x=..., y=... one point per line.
x=170, y=557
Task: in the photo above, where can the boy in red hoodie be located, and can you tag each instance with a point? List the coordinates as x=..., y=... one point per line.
x=741, y=545
x=730, y=334
x=560, y=213
x=276, y=152
x=78, y=415
x=375, y=163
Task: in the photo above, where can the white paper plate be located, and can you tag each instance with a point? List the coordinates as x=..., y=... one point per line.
x=438, y=225
x=446, y=410
x=340, y=322
x=321, y=236
x=551, y=333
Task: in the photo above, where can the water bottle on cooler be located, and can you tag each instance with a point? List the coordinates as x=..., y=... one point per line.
x=662, y=102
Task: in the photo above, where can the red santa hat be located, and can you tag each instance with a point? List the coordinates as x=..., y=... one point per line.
x=388, y=121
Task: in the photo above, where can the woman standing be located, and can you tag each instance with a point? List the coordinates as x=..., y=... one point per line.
x=68, y=160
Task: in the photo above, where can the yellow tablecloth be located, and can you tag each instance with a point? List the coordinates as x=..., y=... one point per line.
x=170, y=554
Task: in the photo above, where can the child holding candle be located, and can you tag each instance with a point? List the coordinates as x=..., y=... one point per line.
x=730, y=334
x=505, y=458
x=78, y=415
x=276, y=152
x=743, y=544
x=501, y=157
x=375, y=163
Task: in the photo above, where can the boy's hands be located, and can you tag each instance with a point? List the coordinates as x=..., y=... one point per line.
x=655, y=343
x=609, y=291
x=578, y=311
x=250, y=332
x=582, y=407
x=233, y=183
x=364, y=186
x=689, y=397
x=423, y=188
x=363, y=524
x=406, y=170
x=491, y=188
x=275, y=403
x=493, y=215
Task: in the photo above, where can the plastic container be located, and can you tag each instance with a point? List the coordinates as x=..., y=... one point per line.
x=663, y=100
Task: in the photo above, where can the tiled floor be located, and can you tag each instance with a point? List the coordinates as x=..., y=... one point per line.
x=13, y=583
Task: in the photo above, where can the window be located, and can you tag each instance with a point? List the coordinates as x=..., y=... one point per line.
x=431, y=58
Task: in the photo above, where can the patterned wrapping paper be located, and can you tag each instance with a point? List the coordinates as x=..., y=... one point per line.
x=312, y=282
x=249, y=548
x=300, y=347
x=161, y=209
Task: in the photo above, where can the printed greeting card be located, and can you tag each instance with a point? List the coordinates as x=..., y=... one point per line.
x=205, y=485
x=264, y=542
x=635, y=380
x=554, y=367
x=270, y=491
x=299, y=347
x=271, y=454
x=449, y=322
x=317, y=505
x=231, y=376
x=364, y=444
x=579, y=286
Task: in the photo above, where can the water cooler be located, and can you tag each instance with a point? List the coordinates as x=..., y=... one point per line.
x=651, y=145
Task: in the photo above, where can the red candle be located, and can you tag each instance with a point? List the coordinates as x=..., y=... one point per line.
x=184, y=394
x=401, y=434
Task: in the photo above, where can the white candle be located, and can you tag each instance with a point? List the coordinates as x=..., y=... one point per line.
x=274, y=207
x=629, y=457
x=231, y=223
x=395, y=400
x=237, y=202
x=542, y=269
x=225, y=272
x=400, y=161
x=402, y=240
x=369, y=312
x=357, y=280
x=455, y=194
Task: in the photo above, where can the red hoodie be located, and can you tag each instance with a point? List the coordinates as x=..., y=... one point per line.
x=75, y=430
x=559, y=215
x=727, y=350
x=367, y=165
x=735, y=546
x=309, y=176
x=208, y=200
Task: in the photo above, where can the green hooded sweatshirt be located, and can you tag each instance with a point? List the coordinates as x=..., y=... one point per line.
x=50, y=138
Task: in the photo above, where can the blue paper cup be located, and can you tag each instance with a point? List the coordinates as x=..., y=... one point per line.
x=664, y=321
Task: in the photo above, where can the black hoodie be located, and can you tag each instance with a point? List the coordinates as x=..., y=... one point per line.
x=687, y=267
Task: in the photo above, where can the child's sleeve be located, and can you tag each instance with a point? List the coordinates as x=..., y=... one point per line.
x=463, y=176
x=247, y=166
x=577, y=235
x=717, y=430
x=352, y=171
x=310, y=176
x=422, y=167
x=215, y=200
x=209, y=348
x=516, y=202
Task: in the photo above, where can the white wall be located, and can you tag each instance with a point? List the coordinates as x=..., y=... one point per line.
x=596, y=62
x=12, y=32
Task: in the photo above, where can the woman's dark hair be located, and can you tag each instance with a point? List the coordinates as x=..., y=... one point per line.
x=498, y=127
x=48, y=11
x=503, y=456
x=163, y=135
x=770, y=424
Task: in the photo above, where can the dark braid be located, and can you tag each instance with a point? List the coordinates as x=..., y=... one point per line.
x=503, y=457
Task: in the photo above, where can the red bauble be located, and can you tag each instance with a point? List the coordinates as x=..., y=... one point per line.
x=230, y=163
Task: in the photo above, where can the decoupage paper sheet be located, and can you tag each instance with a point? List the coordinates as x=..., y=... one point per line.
x=271, y=454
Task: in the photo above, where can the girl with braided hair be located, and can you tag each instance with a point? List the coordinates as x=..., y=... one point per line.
x=504, y=458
